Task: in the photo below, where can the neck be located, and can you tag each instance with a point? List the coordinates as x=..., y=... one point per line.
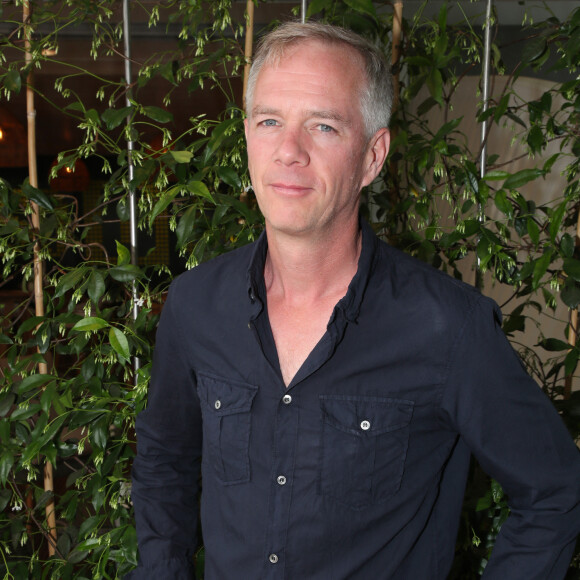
x=302, y=270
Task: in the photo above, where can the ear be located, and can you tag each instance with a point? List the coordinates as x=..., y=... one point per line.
x=376, y=154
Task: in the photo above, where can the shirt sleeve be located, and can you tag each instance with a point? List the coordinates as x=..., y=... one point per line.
x=514, y=431
x=166, y=471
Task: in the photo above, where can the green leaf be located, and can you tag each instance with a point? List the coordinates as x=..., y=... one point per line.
x=158, y=114
x=114, y=117
x=533, y=231
x=5, y=497
x=516, y=119
x=567, y=245
x=37, y=196
x=503, y=204
x=364, y=6
x=69, y=281
x=123, y=254
x=48, y=396
x=13, y=81
x=572, y=268
x=92, y=116
x=556, y=218
x=182, y=156
x=123, y=210
x=570, y=294
x=571, y=362
x=554, y=345
x=541, y=267
x=167, y=73
x=316, y=6
x=88, y=526
x=44, y=498
x=199, y=189
x=185, y=226
x=33, y=382
x=164, y=201
x=77, y=556
x=96, y=286
x=534, y=49
x=6, y=402
x=435, y=84
x=126, y=273
x=243, y=209
x=119, y=342
x=218, y=136
x=521, y=178
x=90, y=323
x=229, y=177
x=25, y=412
x=99, y=433
x=6, y=463
x=536, y=139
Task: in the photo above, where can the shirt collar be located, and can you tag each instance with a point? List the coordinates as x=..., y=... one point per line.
x=349, y=304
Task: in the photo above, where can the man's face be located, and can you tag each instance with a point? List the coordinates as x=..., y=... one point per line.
x=308, y=155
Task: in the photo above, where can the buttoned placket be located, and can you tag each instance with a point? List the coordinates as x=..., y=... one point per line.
x=287, y=421
x=281, y=486
x=285, y=439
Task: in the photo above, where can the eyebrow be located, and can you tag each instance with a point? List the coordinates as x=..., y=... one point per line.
x=326, y=114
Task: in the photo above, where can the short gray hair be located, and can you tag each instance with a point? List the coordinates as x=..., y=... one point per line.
x=376, y=97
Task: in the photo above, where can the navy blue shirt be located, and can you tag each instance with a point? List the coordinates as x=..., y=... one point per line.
x=356, y=470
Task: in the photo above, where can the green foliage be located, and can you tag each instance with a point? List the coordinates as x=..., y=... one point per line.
x=69, y=384
x=79, y=415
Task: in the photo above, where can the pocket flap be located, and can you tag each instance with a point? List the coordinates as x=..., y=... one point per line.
x=366, y=416
x=225, y=396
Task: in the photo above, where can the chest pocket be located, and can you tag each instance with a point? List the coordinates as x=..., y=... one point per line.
x=363, y=449
x=226, y=412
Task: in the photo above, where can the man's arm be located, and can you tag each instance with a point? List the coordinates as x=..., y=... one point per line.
x=166, y=471
x=518, y=438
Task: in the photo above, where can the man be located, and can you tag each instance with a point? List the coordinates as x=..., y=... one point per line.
x=330, y=388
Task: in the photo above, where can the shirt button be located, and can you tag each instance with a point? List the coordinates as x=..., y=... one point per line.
x=273, y=558
x=217, y=404
x=281, y=480
x=286, y=399
x=365, y=425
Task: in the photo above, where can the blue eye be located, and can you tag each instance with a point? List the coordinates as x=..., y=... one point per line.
x=269, y=123
x=326, y=128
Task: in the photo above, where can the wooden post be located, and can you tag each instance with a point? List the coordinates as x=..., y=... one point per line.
x=38, y=266
x=396, y=50
x=249, y=46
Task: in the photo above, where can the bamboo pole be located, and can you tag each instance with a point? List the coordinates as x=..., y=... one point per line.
x=396, y=35
x=131, y=171
x=249, y=47
x=303, y=9
x=38, y=265
x=485, y=73
x=396, y=50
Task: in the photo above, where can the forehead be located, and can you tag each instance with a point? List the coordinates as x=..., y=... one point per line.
x=312, y=66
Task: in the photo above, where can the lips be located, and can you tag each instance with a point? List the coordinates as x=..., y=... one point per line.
x=290, y=188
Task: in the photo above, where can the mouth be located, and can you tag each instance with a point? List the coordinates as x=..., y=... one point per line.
x=290, y=189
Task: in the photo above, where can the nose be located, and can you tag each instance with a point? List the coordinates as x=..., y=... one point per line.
x=292, y=148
